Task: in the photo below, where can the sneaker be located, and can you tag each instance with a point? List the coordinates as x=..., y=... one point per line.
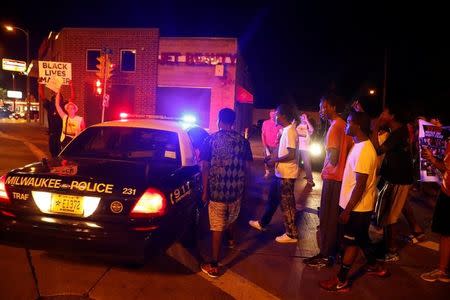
x=319, y=263
x=390, y=257
x=255, y=224
x=285, y=239
x=436, y=275
x=210, y=270
x=415, y=238
x=312, y=258
x=377, y=270
x=334, y=285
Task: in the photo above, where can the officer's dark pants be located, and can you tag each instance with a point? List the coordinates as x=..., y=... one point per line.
x=54, y=144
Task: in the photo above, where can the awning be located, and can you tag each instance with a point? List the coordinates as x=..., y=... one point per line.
x=243, y=96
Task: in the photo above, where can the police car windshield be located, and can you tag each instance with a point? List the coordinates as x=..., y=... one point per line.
x=125, y=143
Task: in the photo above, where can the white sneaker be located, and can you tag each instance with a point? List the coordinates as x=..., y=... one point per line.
x=255, y=224
x=285, y=239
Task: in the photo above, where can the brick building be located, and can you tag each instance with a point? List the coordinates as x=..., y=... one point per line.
x=153, y=75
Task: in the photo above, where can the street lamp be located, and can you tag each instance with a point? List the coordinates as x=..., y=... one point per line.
x=27, y=35
x=372, y=92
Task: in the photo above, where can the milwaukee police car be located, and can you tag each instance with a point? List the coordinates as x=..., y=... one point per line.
x=128, y=187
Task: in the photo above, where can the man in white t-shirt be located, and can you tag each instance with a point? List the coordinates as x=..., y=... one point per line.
x=357, y=202
x=286, y=171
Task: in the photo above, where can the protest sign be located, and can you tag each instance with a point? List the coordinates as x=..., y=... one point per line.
x=49, y=69
x=430, y=137
x=55, y=83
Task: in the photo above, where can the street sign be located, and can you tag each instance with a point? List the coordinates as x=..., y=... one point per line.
x=13, y=65
x=105, y=100
x=14, y=94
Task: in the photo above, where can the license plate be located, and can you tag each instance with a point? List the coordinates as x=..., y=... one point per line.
x=67, y=204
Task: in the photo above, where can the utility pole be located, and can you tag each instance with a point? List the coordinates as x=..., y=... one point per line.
x=107, y=69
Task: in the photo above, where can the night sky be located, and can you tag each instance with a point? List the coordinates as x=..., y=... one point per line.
x=295, y=50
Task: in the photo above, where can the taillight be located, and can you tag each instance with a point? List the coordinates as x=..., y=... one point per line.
x=151, y=203
x=3, y=194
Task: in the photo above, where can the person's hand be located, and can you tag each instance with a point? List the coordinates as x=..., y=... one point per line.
x=303, y=117
x=357, y=106
x=271, y=163
x=427, y=154
x=344, y=217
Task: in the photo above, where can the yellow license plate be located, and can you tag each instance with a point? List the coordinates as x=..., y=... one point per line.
x=67, y=204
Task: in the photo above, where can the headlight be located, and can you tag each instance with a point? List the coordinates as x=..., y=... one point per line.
x=315, y=149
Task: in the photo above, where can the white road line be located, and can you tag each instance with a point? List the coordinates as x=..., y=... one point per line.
x=230, y=282
x=35, y=150
x=430, y=245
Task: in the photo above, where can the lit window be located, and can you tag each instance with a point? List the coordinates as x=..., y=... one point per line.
x=91, y=59
x=128, y=60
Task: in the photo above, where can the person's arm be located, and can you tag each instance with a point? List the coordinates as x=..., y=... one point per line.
x=437, y=163
x=61, y=113
x=333, y=155
x=355, y=198
x=82, y=125
x=309, y=126
x=205, y=178
x=333, y=144
x=205, y=159
x=263, y=136
x=288, y=157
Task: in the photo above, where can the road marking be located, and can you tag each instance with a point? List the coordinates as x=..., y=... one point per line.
x=430, y=245
x=35, y=150
x=230, y=282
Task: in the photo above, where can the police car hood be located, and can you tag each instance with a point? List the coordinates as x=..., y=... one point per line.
x=118, y=172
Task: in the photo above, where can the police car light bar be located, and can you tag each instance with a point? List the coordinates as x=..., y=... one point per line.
x=185, y=119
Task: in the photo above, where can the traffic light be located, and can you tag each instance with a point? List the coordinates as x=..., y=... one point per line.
x=104, y=66
x=98, y=87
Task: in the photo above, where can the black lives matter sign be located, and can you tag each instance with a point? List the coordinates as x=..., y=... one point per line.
x=49, y=69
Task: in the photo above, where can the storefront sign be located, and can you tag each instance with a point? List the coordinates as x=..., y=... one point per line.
x=13, y=65
x=199, y=59
x=49, y=69
x=14, y=94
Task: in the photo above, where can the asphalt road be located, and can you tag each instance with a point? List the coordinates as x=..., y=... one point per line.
x=258, y=268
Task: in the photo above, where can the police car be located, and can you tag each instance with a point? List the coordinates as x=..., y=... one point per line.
x=124, y=187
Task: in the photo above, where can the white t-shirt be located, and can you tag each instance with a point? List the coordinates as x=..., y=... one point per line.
x=303, y=136
x=289, y=139
x=361, y=159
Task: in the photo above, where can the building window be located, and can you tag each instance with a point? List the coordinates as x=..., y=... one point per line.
x=127, y=60
x=91, y=59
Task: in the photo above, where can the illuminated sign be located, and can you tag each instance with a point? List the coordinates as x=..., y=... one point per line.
x=171, y=58
x=13, y=65
x=14, y=94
